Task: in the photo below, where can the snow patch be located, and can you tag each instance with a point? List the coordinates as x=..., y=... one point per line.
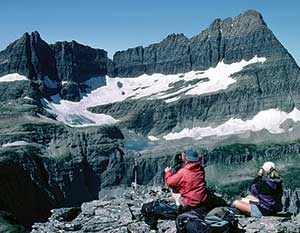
x=27, y=98
x=16, y=143
x=160, y=86
x=172, y=99
x=13, y=77
x=75, y=113
x=107, y=90
x=153, y=138
x=270, y=120
x=220, y=76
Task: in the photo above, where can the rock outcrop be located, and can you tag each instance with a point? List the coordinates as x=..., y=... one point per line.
x=118, y=210
x=291, y=200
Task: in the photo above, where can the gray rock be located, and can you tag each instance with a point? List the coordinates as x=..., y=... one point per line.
x=77, y=63
x=273, y=84
x=271, y=224
x=291, y=200
x=71, y=91
x=65, y=214
x=32, y=57
x=114, y=216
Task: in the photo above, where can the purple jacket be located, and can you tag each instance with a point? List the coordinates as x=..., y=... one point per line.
x=269, y=193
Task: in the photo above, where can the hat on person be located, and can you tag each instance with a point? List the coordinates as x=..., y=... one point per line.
x=191, y=155
x=268, y=167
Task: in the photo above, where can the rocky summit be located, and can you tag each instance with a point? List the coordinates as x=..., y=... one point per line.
x=118, y=210
x=74, y=123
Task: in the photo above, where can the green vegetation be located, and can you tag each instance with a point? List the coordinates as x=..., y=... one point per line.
x=291, y=177
x=234, y=189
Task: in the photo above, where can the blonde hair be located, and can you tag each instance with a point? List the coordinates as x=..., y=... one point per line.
x=273, y=174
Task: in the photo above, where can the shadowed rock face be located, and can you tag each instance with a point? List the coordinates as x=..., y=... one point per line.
x=29, y=56
x=61, y=167
x=78, y=63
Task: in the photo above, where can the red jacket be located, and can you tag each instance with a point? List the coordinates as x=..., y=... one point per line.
x=190, y=183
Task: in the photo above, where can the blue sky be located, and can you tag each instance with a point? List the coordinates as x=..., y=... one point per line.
x=117, y=25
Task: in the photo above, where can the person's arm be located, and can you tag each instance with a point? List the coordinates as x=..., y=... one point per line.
x=260, y=186
x=173, y=180
x=256, y=180
x=255, y=187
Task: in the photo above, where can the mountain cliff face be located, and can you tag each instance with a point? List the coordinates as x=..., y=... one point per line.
x=232, y=89
x=230, y=40
x=32, y=57
x=76, y=64
x=60, y=68
x=45, y=164
x=56, y=166
x=273, y=84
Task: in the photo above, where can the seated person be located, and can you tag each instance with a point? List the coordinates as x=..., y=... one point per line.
x=188, y=181
x=266, y=195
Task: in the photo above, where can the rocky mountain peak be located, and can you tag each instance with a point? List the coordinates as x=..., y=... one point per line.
x=231, y=40
x=175, y=37
x=48, y=65
x=215, y=24
x=238, y=26
x=253, y=14
x=251, y=20
x=30, y=56
x=36, y=36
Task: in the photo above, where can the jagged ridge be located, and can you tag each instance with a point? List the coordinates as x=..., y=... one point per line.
x=230, y=40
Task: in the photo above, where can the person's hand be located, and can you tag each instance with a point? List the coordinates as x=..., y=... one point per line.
x=261, y=172
x=167, y=169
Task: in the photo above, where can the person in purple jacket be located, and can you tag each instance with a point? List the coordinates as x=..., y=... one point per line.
x=266, y=191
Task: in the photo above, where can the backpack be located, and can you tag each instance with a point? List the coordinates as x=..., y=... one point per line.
x=158, y=209
x=192, y=222
x=218, y=220
x=217, y=224
x=222, y=220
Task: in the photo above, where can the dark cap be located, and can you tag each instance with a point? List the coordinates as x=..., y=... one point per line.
x=192, y=155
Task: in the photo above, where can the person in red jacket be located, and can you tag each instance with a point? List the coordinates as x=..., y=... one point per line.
x=189, y=181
